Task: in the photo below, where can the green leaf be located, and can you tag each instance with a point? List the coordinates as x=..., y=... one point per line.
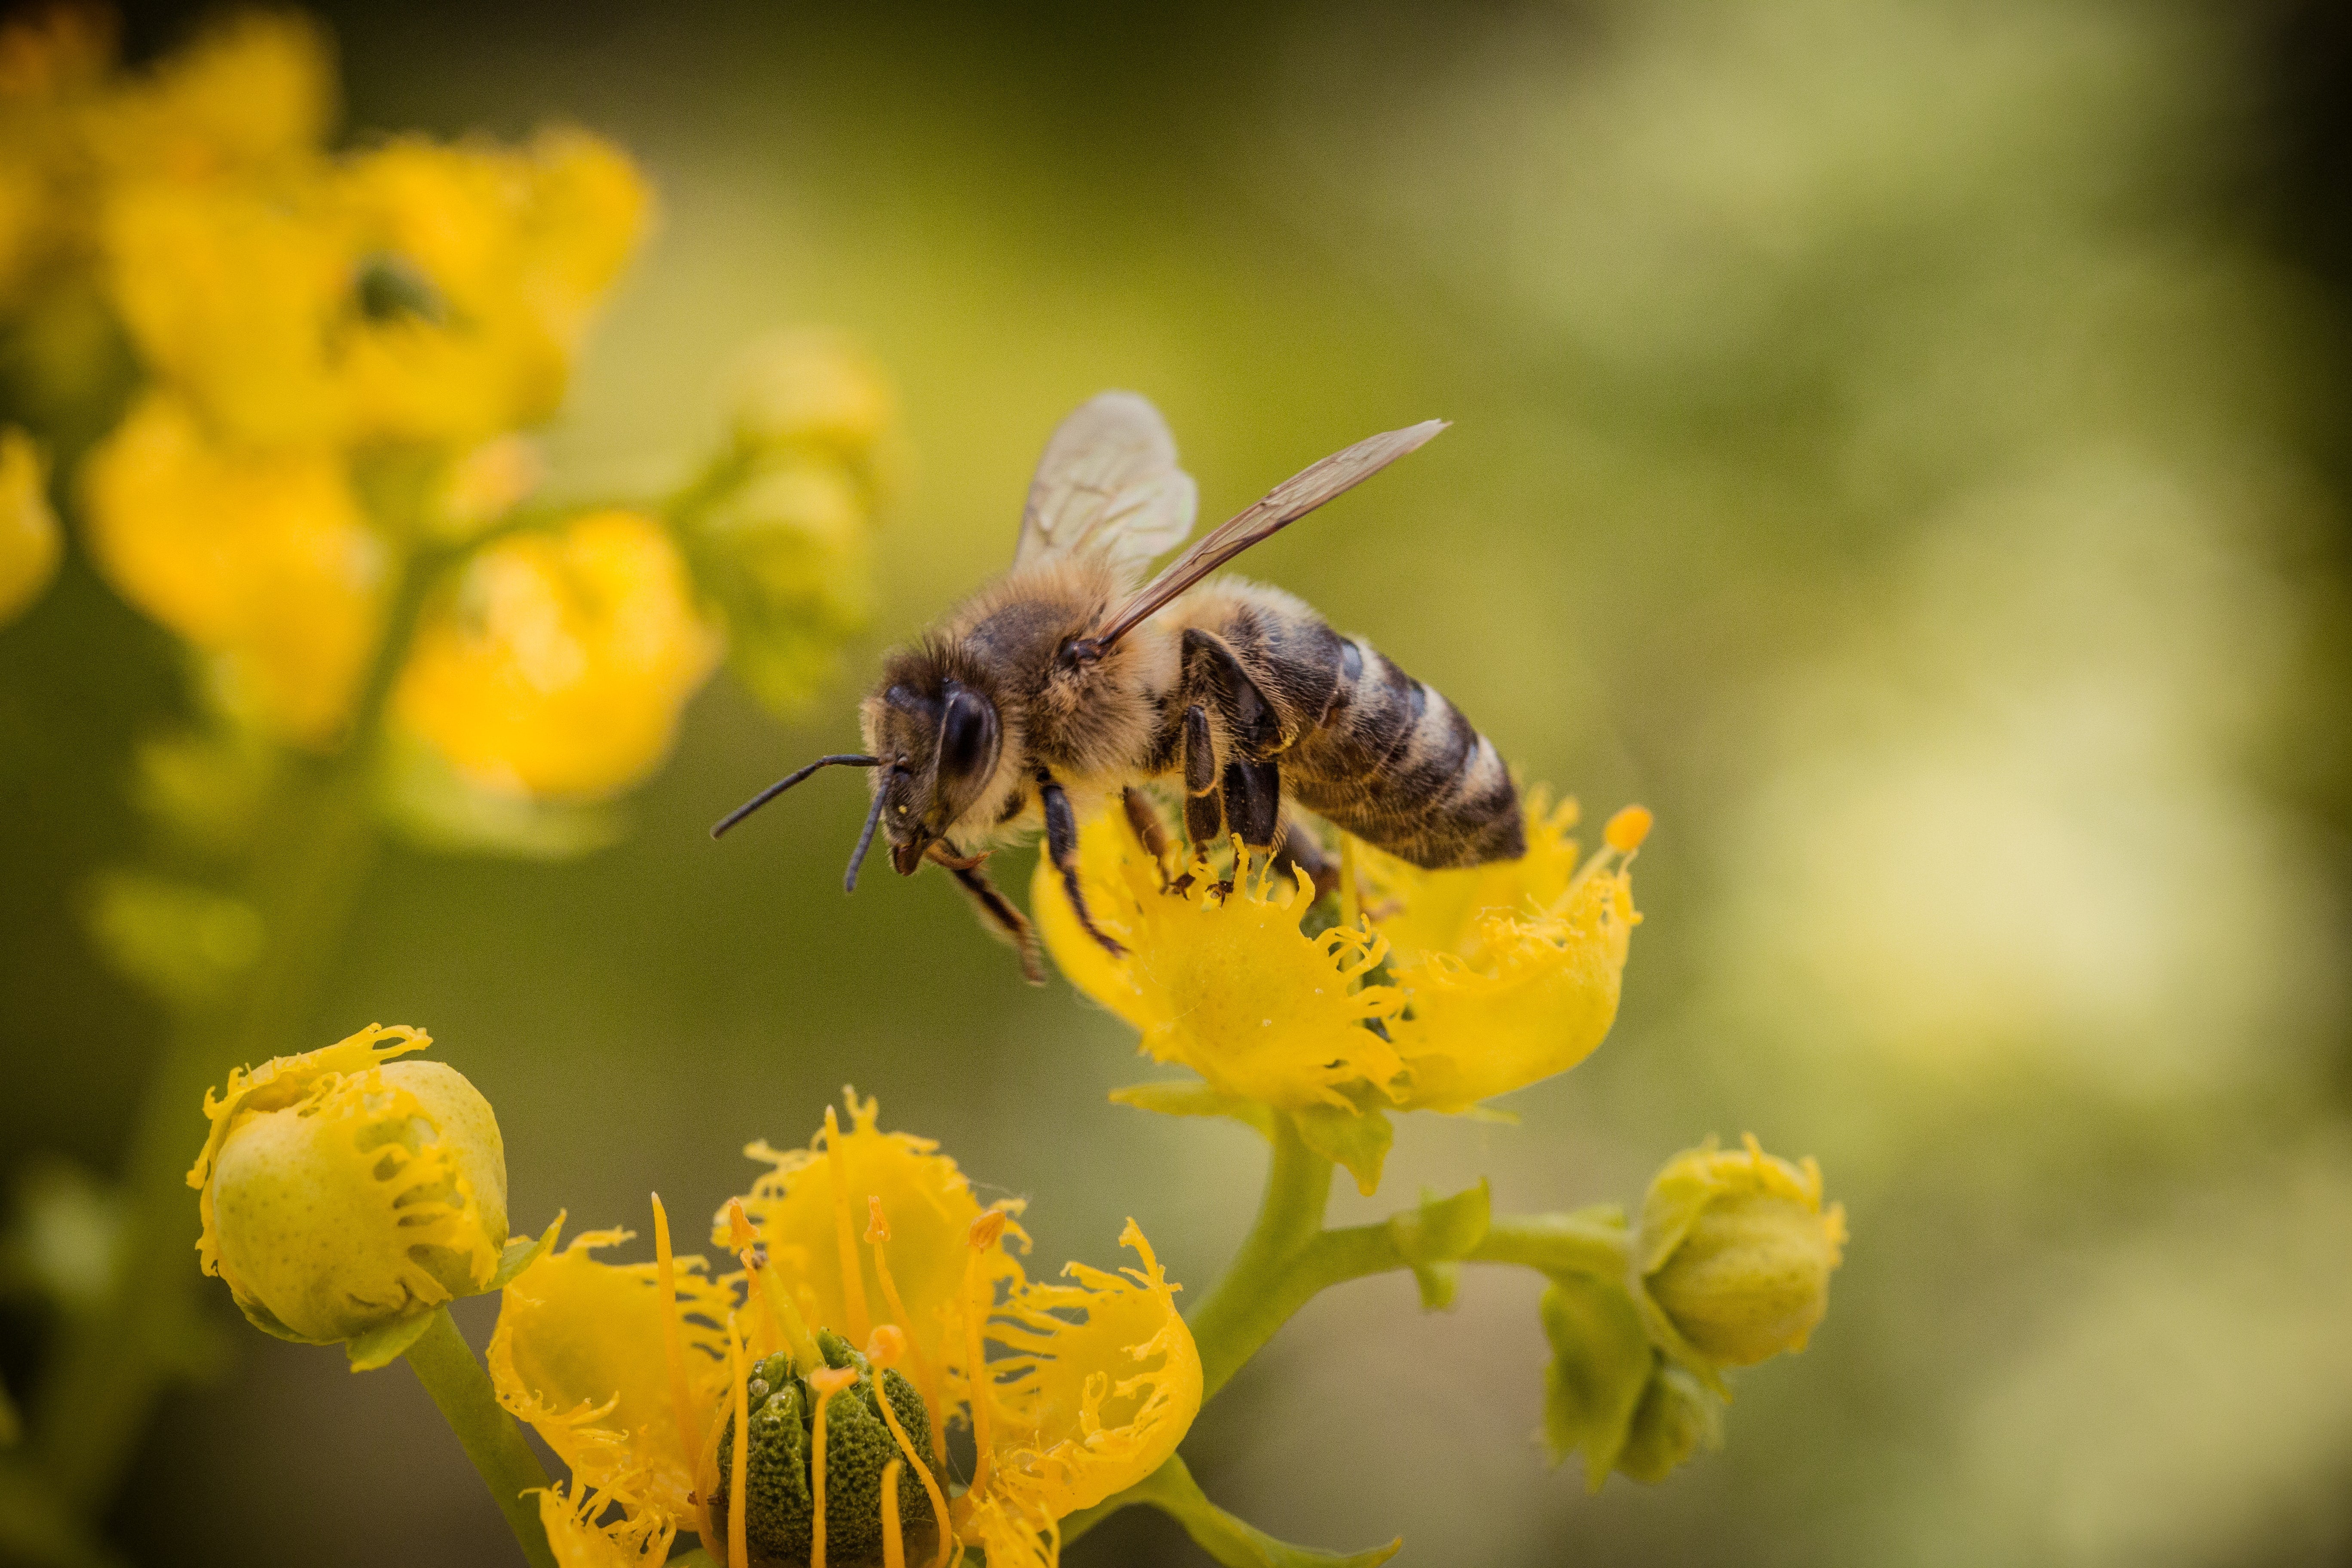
x=386, y=1344
x=1358, y=1139
x=1435, y=1236
x=1172, y=1490
x=1190, y=1097
x=521, y=1252
x=1601, y=1361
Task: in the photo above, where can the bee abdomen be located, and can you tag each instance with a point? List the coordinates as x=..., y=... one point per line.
x=1395, y=764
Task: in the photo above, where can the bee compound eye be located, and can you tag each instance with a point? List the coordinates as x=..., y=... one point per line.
x=967, y=734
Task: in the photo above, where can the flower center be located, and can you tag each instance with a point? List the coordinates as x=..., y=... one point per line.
x=785, y=1400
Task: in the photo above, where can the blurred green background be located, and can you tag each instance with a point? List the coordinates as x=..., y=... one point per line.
x=1901, y=442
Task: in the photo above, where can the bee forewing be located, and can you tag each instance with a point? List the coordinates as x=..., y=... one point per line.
x=1109, y=483
x=1284, y=504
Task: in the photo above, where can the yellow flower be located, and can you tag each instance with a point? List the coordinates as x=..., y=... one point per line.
x=262, y=560
x=254, y=91
x=870, y=1238
x=344, y=1193
x=28, y=529
x=1733, y=1257
x=1455, y=987
x=559, y=664
x=414, y=293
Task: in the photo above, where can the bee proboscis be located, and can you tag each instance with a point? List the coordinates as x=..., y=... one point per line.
x=1062, y=683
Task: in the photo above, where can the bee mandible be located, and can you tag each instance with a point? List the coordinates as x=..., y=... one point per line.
x=1062, y=683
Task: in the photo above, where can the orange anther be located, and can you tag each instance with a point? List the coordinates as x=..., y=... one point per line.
x=877, y=1229
x=987, y=1230
x=886, y=1345
x=740, y=1233
x=1628, y=828
x=832, y=1379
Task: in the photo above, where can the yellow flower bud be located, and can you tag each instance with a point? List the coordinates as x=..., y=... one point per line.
x=28, y=530
x=560, y=665
x=1734, y=1256
x=813, y=388
x=344, y=1193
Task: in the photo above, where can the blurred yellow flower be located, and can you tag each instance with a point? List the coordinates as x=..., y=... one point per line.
x=253, y=92
x=815, y=388
x=28, y=529
x=877, y=1238
x=343, y=1192
x=1456, y=986
x=559, y=662
x=262, y=560
x=250, y=97
x=414, y=292
x=1733, y=1257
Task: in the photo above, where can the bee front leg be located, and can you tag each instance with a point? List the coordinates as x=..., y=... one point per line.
x=1204, y=806
x=998, y=910
x=1062, y=848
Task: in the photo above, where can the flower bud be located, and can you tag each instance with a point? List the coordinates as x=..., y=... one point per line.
x=344, y=1193
x=1674, y=1417
x=28, y=530
x=816, y=389
x=1734, y=1256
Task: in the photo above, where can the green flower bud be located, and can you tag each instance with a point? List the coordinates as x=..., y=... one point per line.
x=1733, y=1256
x=1601, y=1362
x=344, y=1193
x=779, y=1512
x=1674, y=1417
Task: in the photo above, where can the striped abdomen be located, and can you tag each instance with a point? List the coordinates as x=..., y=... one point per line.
x=1369, y=748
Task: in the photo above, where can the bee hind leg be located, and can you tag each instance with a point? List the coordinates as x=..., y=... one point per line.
x=1062, y=848
x=998, y=910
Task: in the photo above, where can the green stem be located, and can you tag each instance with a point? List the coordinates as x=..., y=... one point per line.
x=310, y=865
x=1240, y=1314
x=446, y=1365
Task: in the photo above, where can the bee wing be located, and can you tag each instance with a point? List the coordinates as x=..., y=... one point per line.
x=1109, y=483
x=1283, y=505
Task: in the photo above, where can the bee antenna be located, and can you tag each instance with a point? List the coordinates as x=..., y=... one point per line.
x=845, y=760
x=866, y=838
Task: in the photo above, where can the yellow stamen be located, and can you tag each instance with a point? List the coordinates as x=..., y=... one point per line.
x=739, y=1548
x=827, y=1383
x=986, y=1231
x=878, y=1231
x=1351, y=899
x=894, y=1550
x=853, y=1276
x=785, y=1319
x=1626, y=830
x=883, y=1351
x=673, y=1331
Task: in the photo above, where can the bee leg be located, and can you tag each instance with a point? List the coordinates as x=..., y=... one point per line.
x=998, y=910
x=1062, y=848
x=1204, y=807
x=1144, y=817
x=1253, y=801
x=1304, y=854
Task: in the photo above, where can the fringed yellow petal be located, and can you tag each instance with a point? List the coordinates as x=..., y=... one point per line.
x=561, y=662
x=1225, y=985
x=578, y=1354
x=342, y=1191
x=583, y=1532
x=1538, y=996
x=931, y=1208
x=1438, y=912
x=1102, y=1385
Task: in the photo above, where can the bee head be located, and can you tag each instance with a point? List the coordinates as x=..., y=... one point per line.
x=939, y=740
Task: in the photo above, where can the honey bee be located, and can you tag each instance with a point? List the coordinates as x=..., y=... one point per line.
x=1063, y=683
